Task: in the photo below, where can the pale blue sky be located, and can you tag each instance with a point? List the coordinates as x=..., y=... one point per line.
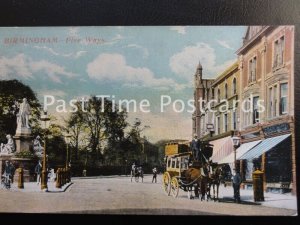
x=129, y=62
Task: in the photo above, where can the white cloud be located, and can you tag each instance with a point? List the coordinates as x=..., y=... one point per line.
x=224, y=44
x=53, y=70
x=113, y=67
x=184, y=63
x=15, y=67
x=179, y=29
x=144, y=50
x=68, y=55
x=22, y=66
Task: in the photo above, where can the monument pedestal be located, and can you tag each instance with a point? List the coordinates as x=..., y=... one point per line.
x=23, y=139
x=28, y=166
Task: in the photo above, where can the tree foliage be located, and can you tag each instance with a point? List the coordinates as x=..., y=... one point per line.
x=10, y=92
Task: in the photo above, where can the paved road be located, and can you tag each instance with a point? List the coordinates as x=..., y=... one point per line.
x=117, y=195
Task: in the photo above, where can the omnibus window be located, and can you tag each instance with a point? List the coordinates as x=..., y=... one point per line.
x=169, y=163
x=173, y=163
x=177, y=162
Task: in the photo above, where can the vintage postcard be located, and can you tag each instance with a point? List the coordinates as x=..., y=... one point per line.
x=164, y=120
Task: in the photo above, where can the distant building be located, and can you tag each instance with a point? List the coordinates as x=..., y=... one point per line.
x=220, y=111
x=202, y=88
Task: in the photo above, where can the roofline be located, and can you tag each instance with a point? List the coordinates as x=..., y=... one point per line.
x=226, y=73
x=253, y=40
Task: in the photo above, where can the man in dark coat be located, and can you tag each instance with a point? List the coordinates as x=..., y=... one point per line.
x=195, y=146
x=236, y=183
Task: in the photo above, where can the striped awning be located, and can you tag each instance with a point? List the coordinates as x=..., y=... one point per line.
x=263, y=147
x=239, y=152
x=221, y=148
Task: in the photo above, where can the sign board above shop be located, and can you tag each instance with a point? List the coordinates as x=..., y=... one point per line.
x=278, y=128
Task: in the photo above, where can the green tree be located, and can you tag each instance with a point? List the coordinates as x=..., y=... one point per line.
x=10, y=92
x=99, y=128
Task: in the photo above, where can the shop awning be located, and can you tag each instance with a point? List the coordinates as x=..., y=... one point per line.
x=239, y=152
x=221, y=148
x=263, y=147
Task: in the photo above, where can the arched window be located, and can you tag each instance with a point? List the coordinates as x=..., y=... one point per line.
x=226, y=91
x=234, y=86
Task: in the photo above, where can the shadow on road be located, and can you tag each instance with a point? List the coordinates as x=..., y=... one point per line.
x=231, y=200
x=134, y=211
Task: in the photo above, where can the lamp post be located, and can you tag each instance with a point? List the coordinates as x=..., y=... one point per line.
x=68, y=140
x=46, y=120
x=236, y=144
x=126, y=167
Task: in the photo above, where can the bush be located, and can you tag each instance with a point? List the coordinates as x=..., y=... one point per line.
x=25, y=154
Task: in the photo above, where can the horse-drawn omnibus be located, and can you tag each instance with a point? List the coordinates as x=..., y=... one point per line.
x=183, y=172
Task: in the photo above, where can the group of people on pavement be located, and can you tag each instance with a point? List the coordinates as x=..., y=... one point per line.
x=9, y=171
x=38, y=170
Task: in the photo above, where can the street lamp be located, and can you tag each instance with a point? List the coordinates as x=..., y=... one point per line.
x=68, y=140
x=236, y=144
x=45, y=125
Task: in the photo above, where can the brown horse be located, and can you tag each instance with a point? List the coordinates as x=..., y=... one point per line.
x=194, y=177
x=214, y=180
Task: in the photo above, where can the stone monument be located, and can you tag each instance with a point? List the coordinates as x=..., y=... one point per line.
x=21, y=142
x=23, y=136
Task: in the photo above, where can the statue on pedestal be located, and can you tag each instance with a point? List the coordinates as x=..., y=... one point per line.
x=37, y=147
x=9, y=147
x=23, y=115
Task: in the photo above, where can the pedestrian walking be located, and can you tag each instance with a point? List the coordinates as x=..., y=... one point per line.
x=38, y=171
x=7, y=175
x=236, y=183
x=154, y=171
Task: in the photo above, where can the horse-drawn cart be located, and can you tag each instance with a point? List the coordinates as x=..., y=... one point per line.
x=183, y=172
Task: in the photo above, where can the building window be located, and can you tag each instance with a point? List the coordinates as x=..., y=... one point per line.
x=207, y=96
x=218, y=125
x=252, y=70
x=212, y=93
x=234, y=86
x=234, y=120
x=226, y=91
x=275, y=101
x=283, y=98
x=255, y=114
x=278, y=52
x=270, y=102
x=225, y=122
x=219, y=95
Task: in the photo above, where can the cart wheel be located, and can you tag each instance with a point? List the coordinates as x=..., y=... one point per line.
x=174, y=187
x=167, y=183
